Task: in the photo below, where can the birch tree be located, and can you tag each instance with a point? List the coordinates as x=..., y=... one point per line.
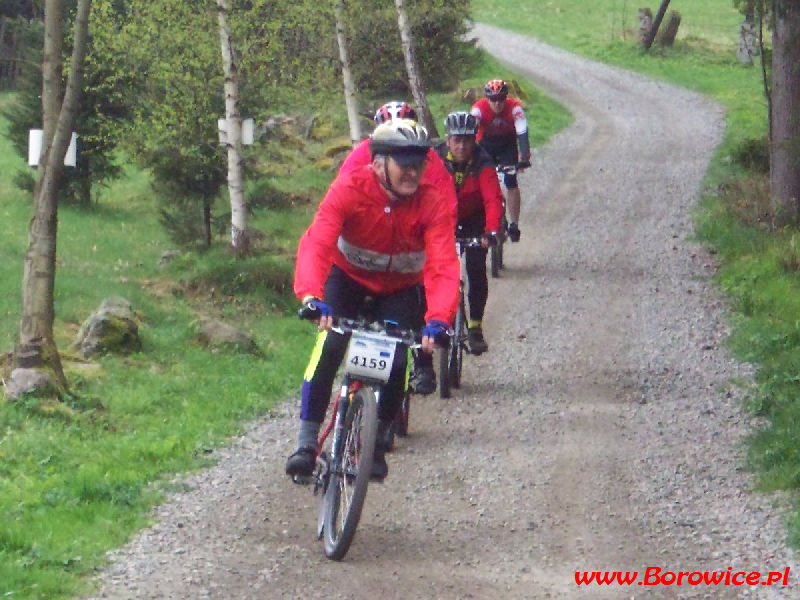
x=350, y=99
x=233, y=130
x=414, y=81
x=37, y=346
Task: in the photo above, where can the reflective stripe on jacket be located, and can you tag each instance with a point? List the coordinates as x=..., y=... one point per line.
x=383, y=245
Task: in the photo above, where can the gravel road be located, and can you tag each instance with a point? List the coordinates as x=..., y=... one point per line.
x=601, y=432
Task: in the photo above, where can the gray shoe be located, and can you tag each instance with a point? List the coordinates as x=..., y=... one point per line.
x=424, y=380
x=301, y=464
x=477, y=345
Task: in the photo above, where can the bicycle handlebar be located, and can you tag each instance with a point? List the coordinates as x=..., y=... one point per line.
x=476, y=242
x=512, y=169
x=346, y=326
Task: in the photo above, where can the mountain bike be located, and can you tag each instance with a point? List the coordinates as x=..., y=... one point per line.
x=451, y=357
x=496, y=251
x=344, y=462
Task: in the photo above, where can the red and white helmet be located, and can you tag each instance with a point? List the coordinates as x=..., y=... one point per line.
x=394, y=110
x=496, y=89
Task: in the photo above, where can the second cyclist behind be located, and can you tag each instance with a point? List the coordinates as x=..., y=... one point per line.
x=480, y=208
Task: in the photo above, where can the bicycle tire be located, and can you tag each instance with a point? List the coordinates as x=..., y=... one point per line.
x=444, y=371
x=501, y=242
x=500, y=264
x=401, y=420
x=388, y=439
x=347, y=487
x=457, y=345
x=495, y=258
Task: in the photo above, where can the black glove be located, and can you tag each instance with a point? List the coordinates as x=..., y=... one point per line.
x=313, y=308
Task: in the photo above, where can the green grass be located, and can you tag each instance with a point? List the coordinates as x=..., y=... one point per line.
x=77, y=478
x=760, y=270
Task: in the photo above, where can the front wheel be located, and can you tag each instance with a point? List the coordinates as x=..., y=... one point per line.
x=496, y=259
x=349, y=476
x=456, y=352
x=401, y=420
x=444, y=370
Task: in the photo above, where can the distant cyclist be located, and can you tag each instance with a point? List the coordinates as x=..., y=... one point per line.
x=375, y=229
x=503, y=133
x=424, y=377
x=480, y=209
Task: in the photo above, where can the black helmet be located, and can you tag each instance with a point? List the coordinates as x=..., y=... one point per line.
x=461, y=123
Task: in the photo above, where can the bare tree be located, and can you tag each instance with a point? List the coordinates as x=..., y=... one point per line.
x=785, y=126
x=37, y=347
x=233, y=131
x=347, y=75
x=417, y=89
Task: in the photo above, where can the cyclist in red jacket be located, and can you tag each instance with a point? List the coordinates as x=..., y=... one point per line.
x=480, y=209
x=423, y=375
x=373, y=232
x=501, y=127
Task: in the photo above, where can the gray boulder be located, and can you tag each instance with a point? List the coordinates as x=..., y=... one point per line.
x=216, y=334
x=35, y=382
x=113, y=327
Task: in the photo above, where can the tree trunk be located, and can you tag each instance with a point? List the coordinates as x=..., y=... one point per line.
x=785, y=142
x=207, y=221
x=36, y=343
x=671, y=29
x=51, y=78
x=417, y=89
x=656, y=24
x=233, y=129
x=645, y=23
x=347, y=75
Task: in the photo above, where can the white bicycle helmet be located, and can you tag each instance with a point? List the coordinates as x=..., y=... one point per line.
x=399, y=137
x=461, y=123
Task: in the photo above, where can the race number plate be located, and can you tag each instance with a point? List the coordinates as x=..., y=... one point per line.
x=370, y=356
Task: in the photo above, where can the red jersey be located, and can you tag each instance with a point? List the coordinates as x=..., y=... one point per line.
x=505, y=125
x=477, y=187
x=382, y=244
x=435, y=172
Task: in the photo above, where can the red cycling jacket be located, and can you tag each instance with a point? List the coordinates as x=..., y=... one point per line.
x=435, y=172
x=505, y=125
x=477, y=187
x=382, y=244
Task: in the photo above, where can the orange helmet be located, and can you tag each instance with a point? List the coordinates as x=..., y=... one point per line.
x=496, y=89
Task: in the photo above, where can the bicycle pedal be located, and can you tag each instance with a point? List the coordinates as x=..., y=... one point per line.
x=302, y=479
